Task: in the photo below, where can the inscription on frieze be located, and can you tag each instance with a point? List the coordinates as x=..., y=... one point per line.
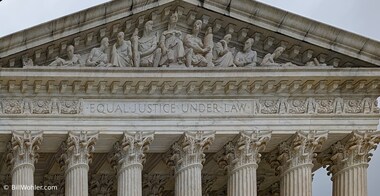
x=190, y=107
x=167, y=107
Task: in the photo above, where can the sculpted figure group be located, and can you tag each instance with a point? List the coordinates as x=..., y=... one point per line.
x=170, y=49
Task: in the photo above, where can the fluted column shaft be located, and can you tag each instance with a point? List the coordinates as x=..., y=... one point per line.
x=243, y=181
x=191, y=178
x=294, y=161
x=77, y=154
x=187, y=157
x=127, y=158
x=241, y=158
x=77, y=180
x=351, y=181
x=348, y=163
x=130, y=180
x=23, y=175
x=297, y=181
x=22, y=154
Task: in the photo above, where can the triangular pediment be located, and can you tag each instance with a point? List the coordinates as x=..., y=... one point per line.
x=307, y=43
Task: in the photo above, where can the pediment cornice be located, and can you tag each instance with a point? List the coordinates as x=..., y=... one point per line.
x=198, y=82
x=304, y=39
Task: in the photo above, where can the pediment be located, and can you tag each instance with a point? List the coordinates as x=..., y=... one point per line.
x=307, y=43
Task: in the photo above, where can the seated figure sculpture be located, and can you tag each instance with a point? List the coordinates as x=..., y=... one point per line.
x=146, y=53
x=195, y=50
x=171, y=44
x=72, y=59
x=268, y=59
x=98, y=56
x=121, y=52
x=248, y=57
x=222, y=54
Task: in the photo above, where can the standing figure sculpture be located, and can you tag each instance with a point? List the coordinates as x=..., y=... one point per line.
x=195, y=50
x=121, y=52
x=171, y=43
x=72, y=59
x=248, y=57
x=98, y=56
x=148, y=54
x=208, y=41
x=222, y=55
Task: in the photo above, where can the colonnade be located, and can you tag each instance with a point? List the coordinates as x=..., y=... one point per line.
x=293, y=160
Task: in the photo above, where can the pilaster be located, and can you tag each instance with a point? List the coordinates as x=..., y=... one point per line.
x=21, y=158
x=128, y=158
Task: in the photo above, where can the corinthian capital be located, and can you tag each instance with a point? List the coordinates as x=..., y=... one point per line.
x=131, y=149
x=190, y=149
x=245, y=150
x=78, y=148
x=354, y=150
x=22, y=149
x=299, y=150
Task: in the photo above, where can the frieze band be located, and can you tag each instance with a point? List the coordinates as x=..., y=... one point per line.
x=263, y=106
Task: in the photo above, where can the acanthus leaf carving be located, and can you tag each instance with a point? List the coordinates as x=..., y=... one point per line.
x=189, y=149
x=101, y=184
x=154, y=184
x=354, y=150
x=23, y=148
x=300, y=149
x=78, y=149
x=244, y=151
x=131, y=149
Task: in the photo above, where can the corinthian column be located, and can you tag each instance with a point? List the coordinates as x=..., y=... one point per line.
x=21, y=158
x=241, y=159
x=295, y=162
x=127, y=158
x=348, y=163
x=77, y=154
x=187, y=157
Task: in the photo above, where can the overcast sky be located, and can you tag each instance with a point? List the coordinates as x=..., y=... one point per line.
x=358, y=16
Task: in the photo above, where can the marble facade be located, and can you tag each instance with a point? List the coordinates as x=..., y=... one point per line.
x=187, y=98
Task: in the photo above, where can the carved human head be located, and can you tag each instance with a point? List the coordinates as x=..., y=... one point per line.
x=227, y=38
x=149, y=26
x=277, y=53
x=104, y=42
x=197, y=26
x=209, y=30
x=248, y=44
x=70, y=51
x=174, y=17
x=120, y=37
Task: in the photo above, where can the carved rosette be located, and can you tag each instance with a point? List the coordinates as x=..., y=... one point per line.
x=300, y=150
x=130, y=150
x=23, y=148
x=189, y=150
x=101, y=184
x=355, y=151
x=78, y=149
x=154, y=184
